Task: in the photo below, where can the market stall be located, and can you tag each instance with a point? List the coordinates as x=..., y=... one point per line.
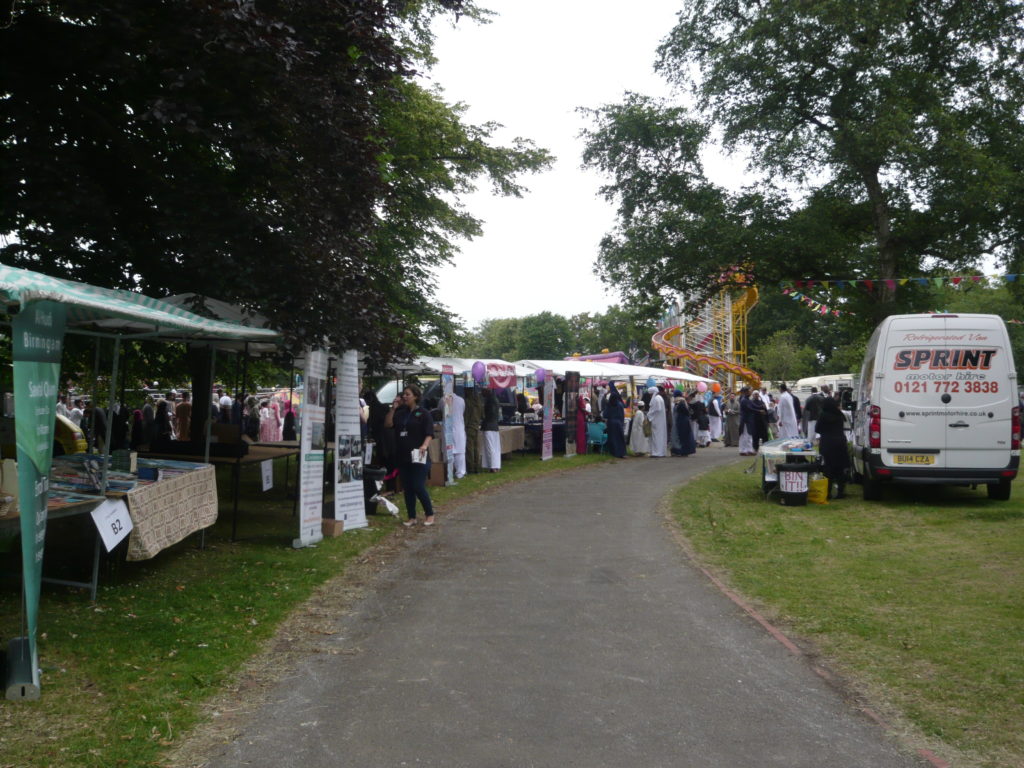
x=42, y=309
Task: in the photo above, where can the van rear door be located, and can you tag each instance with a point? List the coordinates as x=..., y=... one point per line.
x=913, y=423
x=981, y=394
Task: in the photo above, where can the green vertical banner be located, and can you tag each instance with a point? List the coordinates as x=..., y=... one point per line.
x=38, y=331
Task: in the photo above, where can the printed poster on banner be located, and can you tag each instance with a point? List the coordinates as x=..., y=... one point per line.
x=547, y=444
x=448, y=388
x=312, y=445
x=349, y=506
x=38, y=331
x=501, y=375
x=571, y=405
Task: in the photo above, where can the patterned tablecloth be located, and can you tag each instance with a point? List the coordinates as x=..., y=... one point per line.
x=165, y=512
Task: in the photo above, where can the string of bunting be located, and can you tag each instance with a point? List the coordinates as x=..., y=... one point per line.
x=788, y=288
x=815, y=306
x=894, y=283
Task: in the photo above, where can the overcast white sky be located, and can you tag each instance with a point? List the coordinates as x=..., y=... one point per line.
x=529, y=69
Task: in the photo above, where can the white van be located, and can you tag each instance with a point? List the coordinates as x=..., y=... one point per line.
x=937, y=403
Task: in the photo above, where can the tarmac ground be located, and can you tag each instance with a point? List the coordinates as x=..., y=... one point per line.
x=557, y=623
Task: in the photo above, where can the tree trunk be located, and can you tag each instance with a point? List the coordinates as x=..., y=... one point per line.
x=882, y=220
x=202, y=385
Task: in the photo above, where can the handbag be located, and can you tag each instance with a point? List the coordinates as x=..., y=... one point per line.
x=648, y=429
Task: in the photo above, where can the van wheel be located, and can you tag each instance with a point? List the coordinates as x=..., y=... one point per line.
x=872, y=489
x=999, y=491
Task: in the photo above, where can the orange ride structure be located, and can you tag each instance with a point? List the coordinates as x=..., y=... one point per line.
x=713, y=342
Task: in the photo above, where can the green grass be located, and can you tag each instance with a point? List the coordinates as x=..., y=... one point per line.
x=124, y=677
x=917, y=599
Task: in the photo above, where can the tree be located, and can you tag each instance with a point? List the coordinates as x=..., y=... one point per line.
x=781, y=357
x=544, y=336
x=616, y=329
x=432, y=157
x=894, y=122
x=494, y=338
x=273, y=154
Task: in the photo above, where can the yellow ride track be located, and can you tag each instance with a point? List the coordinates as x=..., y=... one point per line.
x=722, y=330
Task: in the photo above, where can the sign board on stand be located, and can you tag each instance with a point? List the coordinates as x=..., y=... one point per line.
x=570, y=403
x=349, y=506
x=448, y=388
x=38, y=331
x=312, y=444
x=547, y=442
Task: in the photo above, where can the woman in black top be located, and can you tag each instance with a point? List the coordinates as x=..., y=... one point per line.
x=162, y=422
x=414, y=429
x=615, y=422
x=489, y=427
x=832, y=446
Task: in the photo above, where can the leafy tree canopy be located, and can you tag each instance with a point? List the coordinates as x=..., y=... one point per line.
x=275, y=154
x=783, y=357
x=547, y=335
x=886, y=134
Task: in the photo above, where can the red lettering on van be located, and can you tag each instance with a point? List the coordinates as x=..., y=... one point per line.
x=944, y=359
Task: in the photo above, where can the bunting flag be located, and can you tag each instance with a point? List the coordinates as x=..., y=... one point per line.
x=823, y=309
x=815, y=306
x=892, y=283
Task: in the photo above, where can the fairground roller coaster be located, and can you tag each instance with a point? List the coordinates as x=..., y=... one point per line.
x=713, y=342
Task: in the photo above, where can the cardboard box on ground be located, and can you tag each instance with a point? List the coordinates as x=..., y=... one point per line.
x=436, y=477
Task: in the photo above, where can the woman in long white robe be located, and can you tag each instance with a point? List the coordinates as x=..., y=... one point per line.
x=659, y=427
x=788, y=425
x=639, y=443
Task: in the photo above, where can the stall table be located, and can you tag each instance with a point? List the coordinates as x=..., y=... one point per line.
x=163, y=512
x=257, y=454
x=780, y=451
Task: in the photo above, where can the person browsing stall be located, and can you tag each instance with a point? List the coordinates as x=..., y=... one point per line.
x=414, y=430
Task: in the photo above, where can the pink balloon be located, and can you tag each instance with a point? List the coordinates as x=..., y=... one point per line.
x=702, y=386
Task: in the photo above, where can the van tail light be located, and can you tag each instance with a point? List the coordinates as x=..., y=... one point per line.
x=875, y=427
x=1015, y=429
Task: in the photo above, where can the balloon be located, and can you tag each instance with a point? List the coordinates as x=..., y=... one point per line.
x=702, y=386
x=650, y=381
x=539, y=373
x=716, y=387
x=479, y=370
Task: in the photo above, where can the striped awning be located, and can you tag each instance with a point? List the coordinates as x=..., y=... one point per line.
x=89, y=305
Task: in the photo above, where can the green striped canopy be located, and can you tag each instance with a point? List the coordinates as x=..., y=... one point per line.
x=88, y=304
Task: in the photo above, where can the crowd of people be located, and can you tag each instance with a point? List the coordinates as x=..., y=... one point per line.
x=161, y=419
x=669, y=421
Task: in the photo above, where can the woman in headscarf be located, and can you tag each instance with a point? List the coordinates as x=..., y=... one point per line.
x=832, y=446
x=268, y=423
x=683, y=443
x=759, y=421
x=137, y=436
x=162, y=423
x=732, y=421
x=639, y=440
x=701, y=423
x=659, y=427
x=251, y=418
x=615, y=422
x=148, y=421
x=582, y=410
x=489, y=429
x=747, y=425
x=288, y=427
